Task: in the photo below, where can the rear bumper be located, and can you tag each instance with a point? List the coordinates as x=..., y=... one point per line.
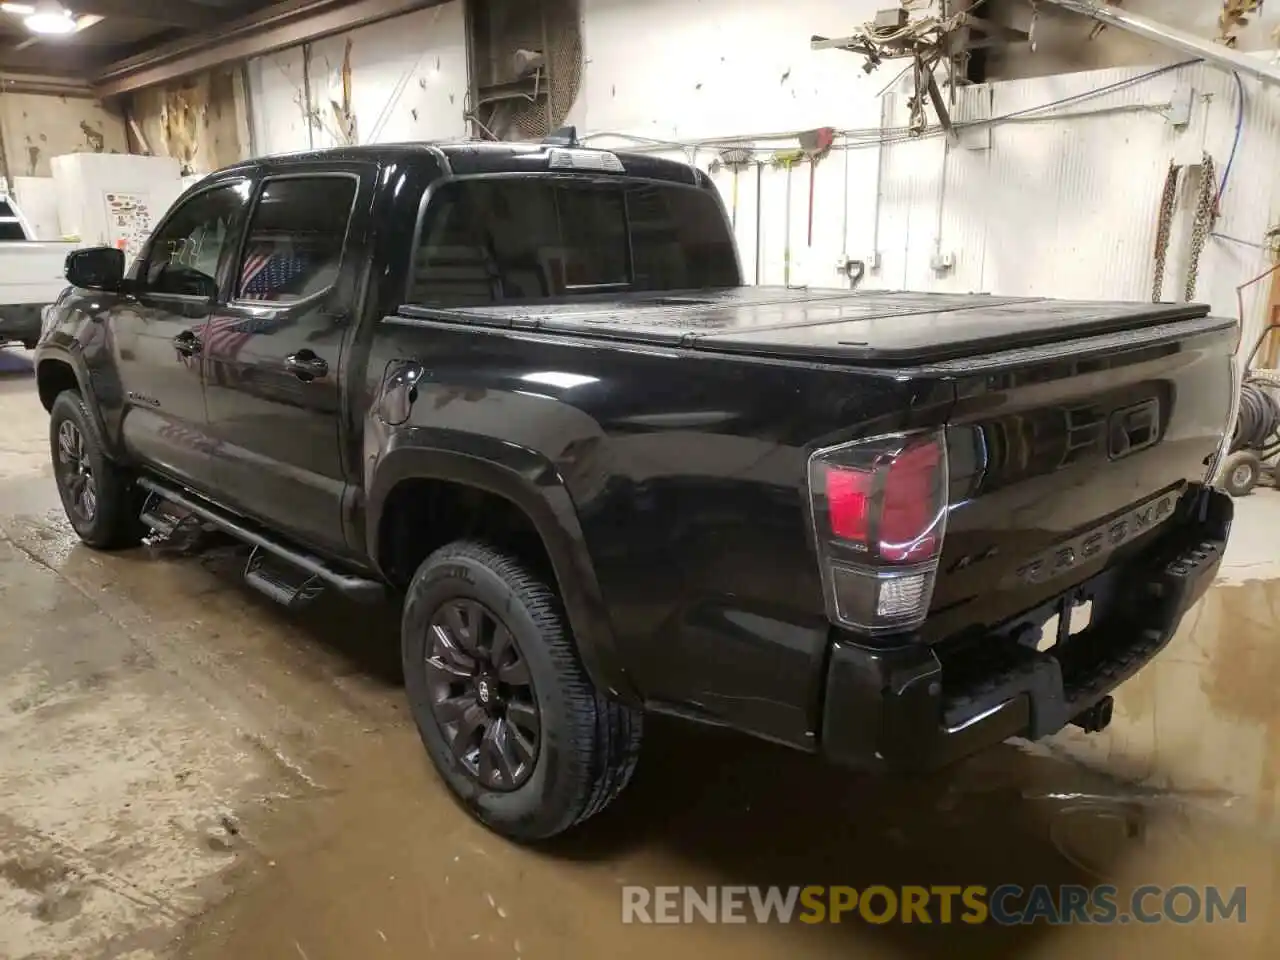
x=919, y=707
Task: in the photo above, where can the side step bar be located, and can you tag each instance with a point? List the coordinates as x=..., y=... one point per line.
x=271, y=580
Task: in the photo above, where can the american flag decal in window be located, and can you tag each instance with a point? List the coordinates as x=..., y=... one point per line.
x=267, y=271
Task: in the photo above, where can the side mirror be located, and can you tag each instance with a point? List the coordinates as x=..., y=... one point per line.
x=205, y=287
x=181, y=280
x=96, y=268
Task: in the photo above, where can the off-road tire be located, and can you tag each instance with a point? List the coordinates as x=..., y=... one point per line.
x=115, y=524
x=589, y=743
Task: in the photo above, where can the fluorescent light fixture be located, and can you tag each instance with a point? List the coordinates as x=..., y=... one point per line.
x=51, y=19
x=18, y=9
x=50, y=23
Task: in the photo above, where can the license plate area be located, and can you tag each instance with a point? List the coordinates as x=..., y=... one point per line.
x=1073, y=617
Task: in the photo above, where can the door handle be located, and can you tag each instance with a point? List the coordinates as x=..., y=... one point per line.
x=187, y=343
x=306, y=366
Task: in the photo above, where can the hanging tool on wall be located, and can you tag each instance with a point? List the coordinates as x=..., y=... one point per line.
x=786, y=159
x=1206, y=219
x=1164, y=228
x=930, y=35
x=1202, y=225
x=735, y=158
x=816, y=144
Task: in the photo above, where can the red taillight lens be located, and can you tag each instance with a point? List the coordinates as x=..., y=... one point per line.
x=909, y=517
x=848, y=494
x=879, y=509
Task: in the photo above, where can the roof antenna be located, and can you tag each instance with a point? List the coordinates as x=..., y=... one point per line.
x=564, y=137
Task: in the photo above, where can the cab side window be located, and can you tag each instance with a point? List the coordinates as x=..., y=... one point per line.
x=185, y=253
x=295, y=240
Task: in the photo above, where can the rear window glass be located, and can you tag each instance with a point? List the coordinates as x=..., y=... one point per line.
x=531, y=238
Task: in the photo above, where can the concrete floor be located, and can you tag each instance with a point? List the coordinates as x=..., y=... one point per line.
x=188, y=771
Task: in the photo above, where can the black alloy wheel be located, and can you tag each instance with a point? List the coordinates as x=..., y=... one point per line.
x=75, y=472
x=506, y=710
x=482, y=694
x=97, y=493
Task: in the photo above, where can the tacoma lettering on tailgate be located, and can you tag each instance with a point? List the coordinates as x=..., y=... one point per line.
x=1092, y=543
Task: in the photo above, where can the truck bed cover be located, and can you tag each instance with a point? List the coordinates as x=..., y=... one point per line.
x=847, y=325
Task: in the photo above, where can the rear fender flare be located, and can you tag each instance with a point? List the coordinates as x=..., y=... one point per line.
x=529, y=481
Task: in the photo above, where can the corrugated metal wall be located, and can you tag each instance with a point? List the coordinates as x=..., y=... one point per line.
x=1072, y=200
x=1058, y=203
x=1061, y=203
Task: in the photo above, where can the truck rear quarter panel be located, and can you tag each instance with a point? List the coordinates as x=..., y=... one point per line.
x=687, y=476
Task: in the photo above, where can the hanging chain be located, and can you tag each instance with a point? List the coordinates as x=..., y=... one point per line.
x=1206, y=218
x=1164, y=226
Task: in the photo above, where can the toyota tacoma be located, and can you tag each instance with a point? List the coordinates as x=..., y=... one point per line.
x=522, y=390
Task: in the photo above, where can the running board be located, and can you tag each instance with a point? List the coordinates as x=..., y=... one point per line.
x=291, y=589
x=171, y=528
x=284, y=583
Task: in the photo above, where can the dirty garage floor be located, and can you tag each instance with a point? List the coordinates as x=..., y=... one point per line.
x=187, y=771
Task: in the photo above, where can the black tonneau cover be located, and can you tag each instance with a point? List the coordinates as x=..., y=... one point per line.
x=864, y=326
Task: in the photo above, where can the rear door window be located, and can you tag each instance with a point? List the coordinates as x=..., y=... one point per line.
x=490, y=240
x=295, y=240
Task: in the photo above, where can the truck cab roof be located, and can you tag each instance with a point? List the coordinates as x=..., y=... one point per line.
x=472, y=157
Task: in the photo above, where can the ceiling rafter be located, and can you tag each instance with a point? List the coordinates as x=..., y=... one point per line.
x=123, y=29
x=176, y=13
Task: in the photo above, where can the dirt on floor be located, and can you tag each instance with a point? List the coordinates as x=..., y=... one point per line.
x=187, y=771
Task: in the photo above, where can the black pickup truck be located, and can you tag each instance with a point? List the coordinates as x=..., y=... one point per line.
x=523, y=389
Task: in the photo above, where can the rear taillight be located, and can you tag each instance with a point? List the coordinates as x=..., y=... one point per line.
x=1212, y=476
x=879, y=516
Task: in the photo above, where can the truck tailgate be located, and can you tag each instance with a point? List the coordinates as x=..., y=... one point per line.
x=1066, y=458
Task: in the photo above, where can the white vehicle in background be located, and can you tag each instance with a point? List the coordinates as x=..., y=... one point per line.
x=31, y=275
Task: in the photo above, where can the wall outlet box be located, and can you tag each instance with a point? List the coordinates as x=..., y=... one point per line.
x=1178, y=111
x=894, y=19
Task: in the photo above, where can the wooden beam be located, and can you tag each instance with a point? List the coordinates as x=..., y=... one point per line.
x=283, y=24
x=61, y=85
